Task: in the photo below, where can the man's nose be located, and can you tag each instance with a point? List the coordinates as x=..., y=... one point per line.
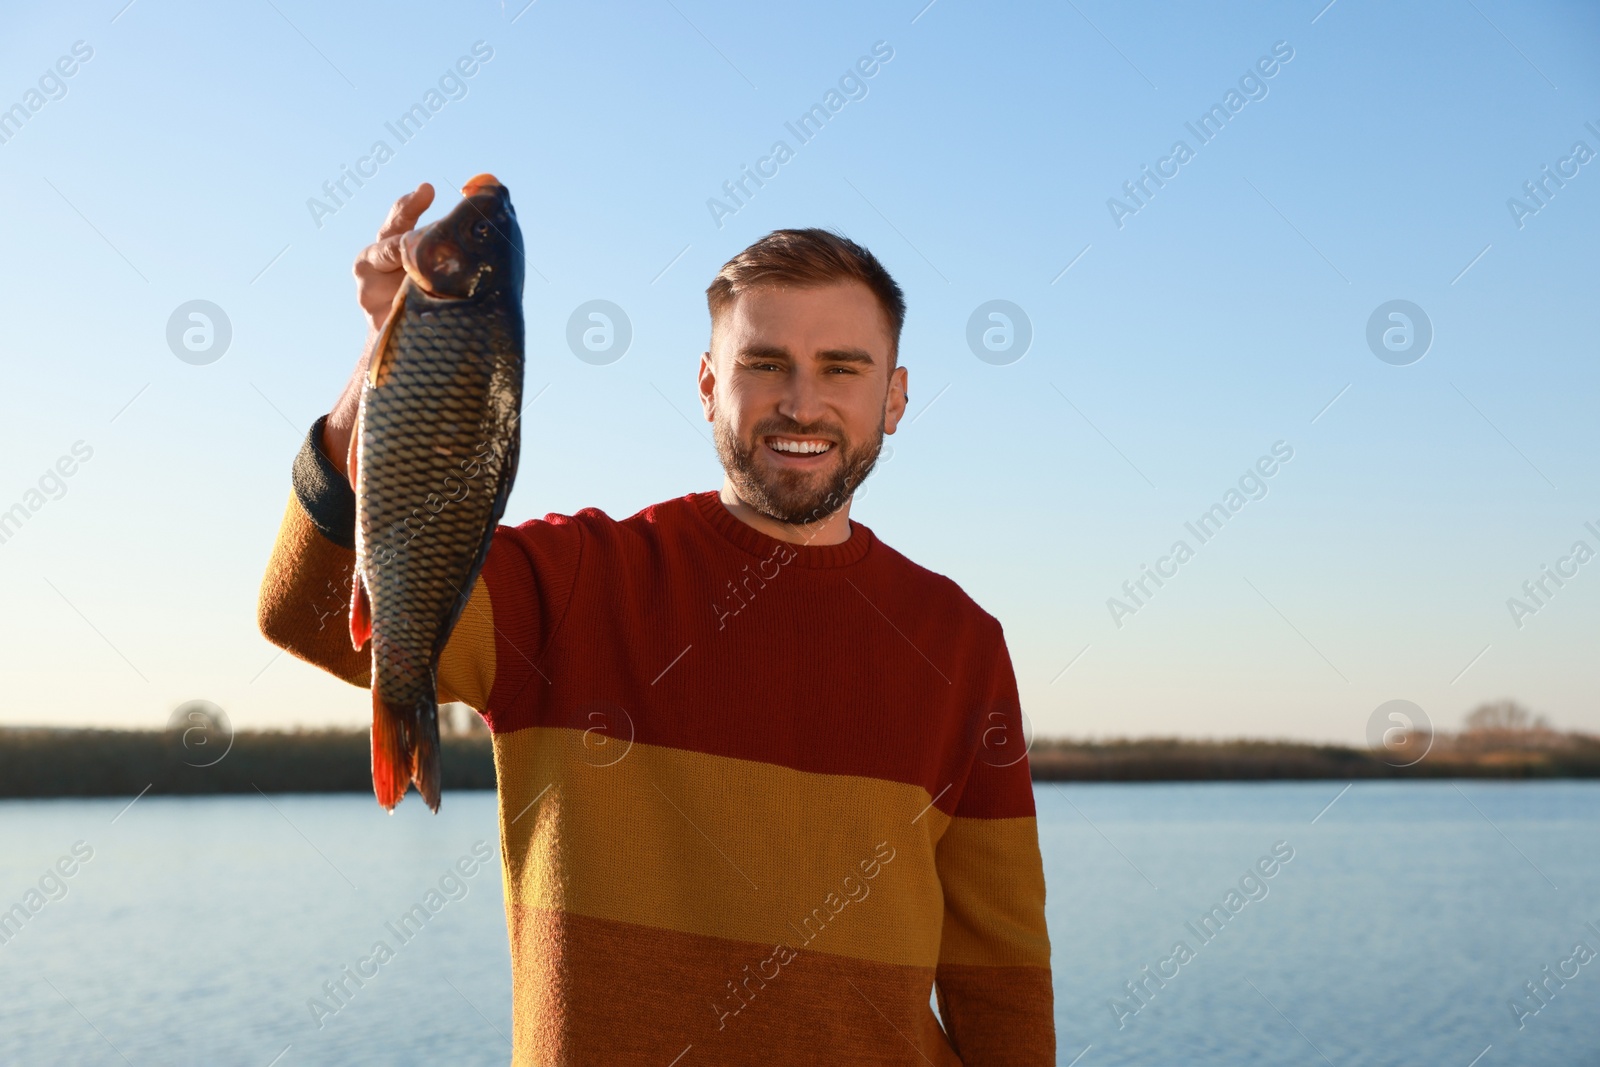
x=802, y=399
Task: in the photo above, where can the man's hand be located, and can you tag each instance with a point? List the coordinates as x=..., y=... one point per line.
x=379, y=275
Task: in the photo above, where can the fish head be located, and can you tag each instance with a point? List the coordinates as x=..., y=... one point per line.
x=474, y=250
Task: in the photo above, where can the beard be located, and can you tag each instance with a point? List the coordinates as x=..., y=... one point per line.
x=798, y=498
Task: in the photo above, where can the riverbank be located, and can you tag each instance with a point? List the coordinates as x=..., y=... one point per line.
x=41, y=762
x=1486, y=754
x=90, y=763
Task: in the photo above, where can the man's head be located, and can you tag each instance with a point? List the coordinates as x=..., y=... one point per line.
x=802, y=380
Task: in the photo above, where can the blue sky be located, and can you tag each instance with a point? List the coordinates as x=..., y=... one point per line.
x=1220, y=318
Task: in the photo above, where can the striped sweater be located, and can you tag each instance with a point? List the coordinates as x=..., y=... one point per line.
x=757, y=800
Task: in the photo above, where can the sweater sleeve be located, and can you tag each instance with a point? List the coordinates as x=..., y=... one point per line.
x=993, y=977
x=304, y=603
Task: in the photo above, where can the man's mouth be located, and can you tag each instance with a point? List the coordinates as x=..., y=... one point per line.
x=805, y=450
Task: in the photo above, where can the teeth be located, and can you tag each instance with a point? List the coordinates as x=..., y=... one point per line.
x=799, y=446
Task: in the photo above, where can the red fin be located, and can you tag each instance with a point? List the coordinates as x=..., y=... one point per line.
x=391, y=762
x=352, y=455
x=380, y=349
x=360, y=614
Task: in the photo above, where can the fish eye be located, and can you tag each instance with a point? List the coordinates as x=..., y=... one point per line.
x=481, y=228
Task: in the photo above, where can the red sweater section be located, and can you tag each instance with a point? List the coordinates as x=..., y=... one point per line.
x=695, y=631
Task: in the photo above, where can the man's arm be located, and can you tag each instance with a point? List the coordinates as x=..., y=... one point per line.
x=994, y=988
x=304, y=606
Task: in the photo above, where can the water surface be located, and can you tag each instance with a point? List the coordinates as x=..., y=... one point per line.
x=1407, y=919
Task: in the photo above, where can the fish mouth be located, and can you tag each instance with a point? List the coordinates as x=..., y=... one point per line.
x=423, y=253
x=436, y=257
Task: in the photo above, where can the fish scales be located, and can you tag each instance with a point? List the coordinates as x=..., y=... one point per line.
x=437, y=450
x=409, y=464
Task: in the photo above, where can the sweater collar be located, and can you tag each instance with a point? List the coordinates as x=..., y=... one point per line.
x=709, y=506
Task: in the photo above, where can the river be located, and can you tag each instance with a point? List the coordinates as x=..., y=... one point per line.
x=1398, y=925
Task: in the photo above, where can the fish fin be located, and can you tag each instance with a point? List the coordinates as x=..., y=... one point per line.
x=508, y=475
x=360, y=614
x=380, y=351
x=426, y=771
x=352, y=457
x=391, y=758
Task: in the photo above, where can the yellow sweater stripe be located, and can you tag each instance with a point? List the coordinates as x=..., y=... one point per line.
x=466, y=666
x=711, y=845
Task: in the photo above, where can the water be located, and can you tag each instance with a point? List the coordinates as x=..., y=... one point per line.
x=1406, y=919
x=1409, y=916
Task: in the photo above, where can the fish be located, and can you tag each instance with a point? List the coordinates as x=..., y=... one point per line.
x=432, y=462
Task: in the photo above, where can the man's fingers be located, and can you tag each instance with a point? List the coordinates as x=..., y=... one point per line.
x=382, y=255
x=406, y=211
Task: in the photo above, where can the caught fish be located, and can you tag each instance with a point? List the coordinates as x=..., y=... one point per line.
x=433, y=459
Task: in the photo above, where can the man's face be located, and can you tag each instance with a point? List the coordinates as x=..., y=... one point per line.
x=798, y=389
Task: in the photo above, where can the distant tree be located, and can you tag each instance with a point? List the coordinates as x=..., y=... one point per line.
x=1503, y=715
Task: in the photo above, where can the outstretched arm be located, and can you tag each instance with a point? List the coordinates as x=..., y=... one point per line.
x=304, y=606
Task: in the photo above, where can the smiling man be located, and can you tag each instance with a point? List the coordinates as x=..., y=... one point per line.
x=762, y=780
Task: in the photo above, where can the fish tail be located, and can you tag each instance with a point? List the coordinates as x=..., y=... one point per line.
x=391, y=751
x=426, y=771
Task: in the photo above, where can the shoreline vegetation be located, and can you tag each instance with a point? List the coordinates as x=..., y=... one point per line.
x=1499, y=741
x=1556, y=755
x=54, y=762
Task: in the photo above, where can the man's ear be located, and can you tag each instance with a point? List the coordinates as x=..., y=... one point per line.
x=894, y=404
x=708, y=386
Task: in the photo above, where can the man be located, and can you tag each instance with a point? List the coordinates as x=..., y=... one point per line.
x=760, y=776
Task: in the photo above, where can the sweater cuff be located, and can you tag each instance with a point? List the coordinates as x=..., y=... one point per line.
x=323, y=492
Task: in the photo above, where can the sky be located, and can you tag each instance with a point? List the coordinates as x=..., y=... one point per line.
x=1175, y=322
